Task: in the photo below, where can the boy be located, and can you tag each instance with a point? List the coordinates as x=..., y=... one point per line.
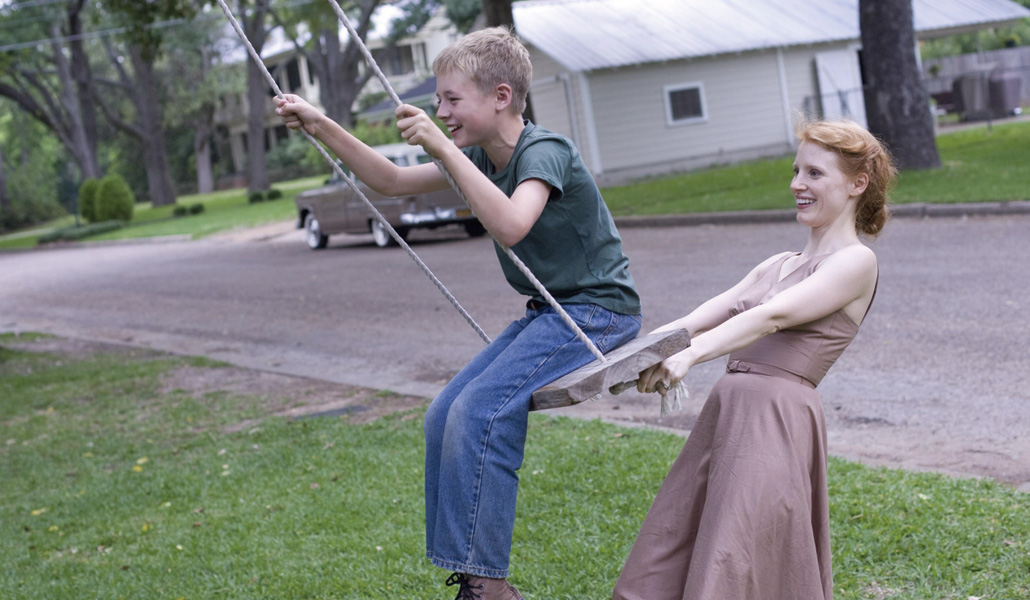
x=532, y=192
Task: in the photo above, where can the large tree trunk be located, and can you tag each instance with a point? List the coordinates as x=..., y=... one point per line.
x=897, y=103
x=497, y=13
x=84, y=87
x=257, y=98
x=202, y=148
x=150, y=122
x=5, y=203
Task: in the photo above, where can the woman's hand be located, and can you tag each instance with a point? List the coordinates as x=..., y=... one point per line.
x=296, y=113
x=666, y=374
x=418, y=129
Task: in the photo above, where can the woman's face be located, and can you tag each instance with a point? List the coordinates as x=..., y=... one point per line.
x=822, y=192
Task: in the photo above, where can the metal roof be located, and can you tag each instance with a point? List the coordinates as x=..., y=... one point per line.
x=584, y=35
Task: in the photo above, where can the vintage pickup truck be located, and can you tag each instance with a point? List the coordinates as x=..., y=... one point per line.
x=335, y=208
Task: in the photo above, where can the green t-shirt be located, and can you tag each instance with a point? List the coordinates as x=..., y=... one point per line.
x=574, y=248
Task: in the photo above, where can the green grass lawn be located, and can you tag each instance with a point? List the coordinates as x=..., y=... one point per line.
x=117, y=485
x=979, y=165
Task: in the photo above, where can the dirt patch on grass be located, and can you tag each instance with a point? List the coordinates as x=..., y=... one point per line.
x=274, y=394
x=287, y=395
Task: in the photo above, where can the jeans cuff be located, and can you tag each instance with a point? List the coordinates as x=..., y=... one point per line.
x=476, y=570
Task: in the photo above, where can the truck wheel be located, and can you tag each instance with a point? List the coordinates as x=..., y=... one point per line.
x=474, y=228
x=313, y=235
x=382, y=237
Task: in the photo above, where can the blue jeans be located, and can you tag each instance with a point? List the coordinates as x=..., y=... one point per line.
x=476, y=432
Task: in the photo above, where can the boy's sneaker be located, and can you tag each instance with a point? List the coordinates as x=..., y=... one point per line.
x=483, y=588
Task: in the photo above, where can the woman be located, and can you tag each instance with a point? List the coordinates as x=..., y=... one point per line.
x=743, y=513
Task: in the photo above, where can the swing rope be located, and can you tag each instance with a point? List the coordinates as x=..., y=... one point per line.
x=439, y=165
x=350, y=182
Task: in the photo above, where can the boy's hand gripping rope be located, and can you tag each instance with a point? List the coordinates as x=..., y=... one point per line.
x=350, y=182
x=439, y=165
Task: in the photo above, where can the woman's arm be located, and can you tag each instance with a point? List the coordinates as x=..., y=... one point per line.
x=716, y=310
x=845, y=279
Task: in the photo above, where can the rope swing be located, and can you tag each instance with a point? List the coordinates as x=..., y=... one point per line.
x=350, y=182
x=378, y=216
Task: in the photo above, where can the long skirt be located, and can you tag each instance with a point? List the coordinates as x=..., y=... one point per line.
x=743, y=513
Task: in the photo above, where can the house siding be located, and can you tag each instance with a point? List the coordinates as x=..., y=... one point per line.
x=743, y=104
x=743, y=100
x=551, y=108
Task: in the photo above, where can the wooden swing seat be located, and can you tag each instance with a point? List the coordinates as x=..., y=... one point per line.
x=623, y=364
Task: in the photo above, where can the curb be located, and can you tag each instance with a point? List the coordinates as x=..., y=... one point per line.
x=917, y=210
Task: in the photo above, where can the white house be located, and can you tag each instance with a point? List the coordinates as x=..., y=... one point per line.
x=653, y=87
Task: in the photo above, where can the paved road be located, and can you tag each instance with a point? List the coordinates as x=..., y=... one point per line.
x=938, y=378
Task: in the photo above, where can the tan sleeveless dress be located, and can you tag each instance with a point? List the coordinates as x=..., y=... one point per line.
x=743, y=513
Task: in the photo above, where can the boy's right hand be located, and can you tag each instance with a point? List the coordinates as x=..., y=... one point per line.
x=296, y=113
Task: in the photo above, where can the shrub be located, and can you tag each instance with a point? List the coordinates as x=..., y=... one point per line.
x=196, y=209
x=69, y=234
x=256, y=197
x=114, y=199
x=32, y=196
x=180, y=211
x=274, y=194
x=88, y=199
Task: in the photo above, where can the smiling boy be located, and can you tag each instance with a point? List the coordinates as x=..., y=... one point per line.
x=531, y=190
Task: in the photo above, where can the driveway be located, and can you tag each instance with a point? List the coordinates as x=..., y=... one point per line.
x=938, y=378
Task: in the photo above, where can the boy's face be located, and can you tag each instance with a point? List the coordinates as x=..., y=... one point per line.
x=469, y=114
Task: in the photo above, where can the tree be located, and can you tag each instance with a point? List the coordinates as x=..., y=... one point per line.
x=5, y=203
x=498, y=13
x=339, y=73
x=143, y=43
x=55, y=87
x=198, y=79
x=896, y=100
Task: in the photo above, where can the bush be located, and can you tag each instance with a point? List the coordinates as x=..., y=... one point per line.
x=274, y=194
x=32, y=193
x=183, y=211
x=256, y=197
x=70, y=234
x=88, y=199
x=114, y=200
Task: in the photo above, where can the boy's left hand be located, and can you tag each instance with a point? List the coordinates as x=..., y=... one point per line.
x=419, y=130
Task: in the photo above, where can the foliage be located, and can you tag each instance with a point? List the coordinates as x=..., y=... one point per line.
x=114, y=199
x=120, y=476
x=376, y=134
x=74, y=233
x=289, y=152
x=140, y=18
x=32, y=192
x=462, y=13
x=88, y=199
x=31, y=160
x=969, y=43
x=181, y=210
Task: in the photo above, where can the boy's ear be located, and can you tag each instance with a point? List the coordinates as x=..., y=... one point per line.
x=502, y=97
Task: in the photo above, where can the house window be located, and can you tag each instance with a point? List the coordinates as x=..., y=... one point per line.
x=685, y=103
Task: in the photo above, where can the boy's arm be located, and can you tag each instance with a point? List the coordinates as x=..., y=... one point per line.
x=374, y=169
x=507, y=219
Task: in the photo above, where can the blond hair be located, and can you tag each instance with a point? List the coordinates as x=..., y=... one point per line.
x=488, y=58
x=858, y=152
